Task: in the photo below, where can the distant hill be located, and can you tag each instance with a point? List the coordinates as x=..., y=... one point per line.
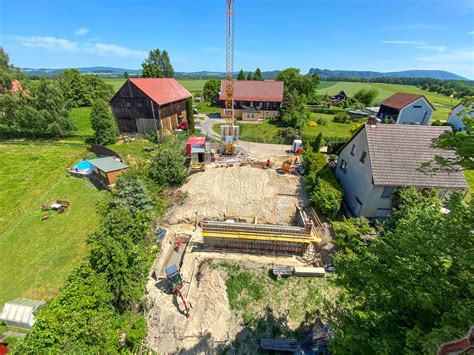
x=118, y=72
x=435, y=74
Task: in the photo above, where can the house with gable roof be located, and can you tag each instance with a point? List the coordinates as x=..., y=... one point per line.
x=405, y=108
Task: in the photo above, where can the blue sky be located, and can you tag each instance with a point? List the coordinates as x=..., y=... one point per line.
x=272, y=34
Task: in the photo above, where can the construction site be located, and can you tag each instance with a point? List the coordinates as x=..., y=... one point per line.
x=239, y=216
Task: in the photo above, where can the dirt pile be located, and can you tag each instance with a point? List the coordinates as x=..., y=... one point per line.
x=240, y=193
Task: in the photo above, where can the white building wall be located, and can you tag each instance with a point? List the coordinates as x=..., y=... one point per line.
x=357, y=181
x=454, y=118
x=418, y=111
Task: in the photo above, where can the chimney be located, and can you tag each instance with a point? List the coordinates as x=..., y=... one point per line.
x=372, y=121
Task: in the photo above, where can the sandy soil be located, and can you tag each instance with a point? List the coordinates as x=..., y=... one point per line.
x=240, y=193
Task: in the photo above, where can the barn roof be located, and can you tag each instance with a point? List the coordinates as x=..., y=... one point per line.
x=401, y=99
x=161, y=90
x=108, y=164
x=397, y=151
x=255, y=90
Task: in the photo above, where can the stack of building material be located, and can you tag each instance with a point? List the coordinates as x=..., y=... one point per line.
x=287, y=345
x=282, y=270
x=309, y=271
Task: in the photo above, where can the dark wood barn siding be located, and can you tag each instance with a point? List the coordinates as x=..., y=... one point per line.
x=387, y=112
x=172, y=109
x=131, y=104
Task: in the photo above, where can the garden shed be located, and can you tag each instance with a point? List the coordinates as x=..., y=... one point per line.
x=107, y=170
x=20, y=313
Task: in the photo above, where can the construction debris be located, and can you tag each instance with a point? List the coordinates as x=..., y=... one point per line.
x=309, y=271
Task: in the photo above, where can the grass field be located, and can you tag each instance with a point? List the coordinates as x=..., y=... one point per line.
x=81, y=118
x=386, y=90
x=267, y=132
x=190, y=85
x=38, y=255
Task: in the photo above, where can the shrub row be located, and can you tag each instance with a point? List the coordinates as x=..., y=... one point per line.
x=327, y=110
x=321, y=185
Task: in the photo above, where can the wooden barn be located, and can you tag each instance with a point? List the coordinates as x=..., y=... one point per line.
x=146, y=105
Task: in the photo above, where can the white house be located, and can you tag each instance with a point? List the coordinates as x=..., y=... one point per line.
x=404, y=108
x=383, y=157
x=455, y=119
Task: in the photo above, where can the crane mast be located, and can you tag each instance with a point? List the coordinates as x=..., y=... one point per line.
x=229, y=86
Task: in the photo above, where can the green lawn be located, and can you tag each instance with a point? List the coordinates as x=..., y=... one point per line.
x=386, y=90
x=326, y=84
x=206, y=108
x=190, y=85
x=38, y=255
x=267, y=132
x=81, y=118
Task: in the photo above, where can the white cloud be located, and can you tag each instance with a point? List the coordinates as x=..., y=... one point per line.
x=81, y=31
x=104, y=49
x=417, y=44
x=48, y=43
x=433, y=48
x=65, y=45
x=411, y=43
x=471, y=32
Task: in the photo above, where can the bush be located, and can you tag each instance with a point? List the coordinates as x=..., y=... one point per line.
x=168, y=167
x=326, y=197
x=321, y=121
x=334, y=143
x=342, y=117
x=103, y=123
x=437, y=123
x=330, y=111
x=130, y=191
x=287, y=135
x=321, y=185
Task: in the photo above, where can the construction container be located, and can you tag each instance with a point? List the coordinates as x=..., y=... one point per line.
x=309, y=271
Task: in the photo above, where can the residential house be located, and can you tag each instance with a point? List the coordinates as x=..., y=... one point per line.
x=383, y=157
x=404, y=108
x=341, y=96
x=254, y=99
x=455, y=119
x=146, y=105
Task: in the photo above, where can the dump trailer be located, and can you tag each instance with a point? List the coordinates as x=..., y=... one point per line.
x=259, y=238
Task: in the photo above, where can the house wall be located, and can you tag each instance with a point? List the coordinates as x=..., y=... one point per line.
x=357, y=181
x=418, y=111
x=454, y=118
x=112, y=176
x=251, y=116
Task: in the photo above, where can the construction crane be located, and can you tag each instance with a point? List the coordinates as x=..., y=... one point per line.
x=229, y=86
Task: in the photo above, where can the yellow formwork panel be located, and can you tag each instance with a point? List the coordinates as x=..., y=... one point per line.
x=258, y=236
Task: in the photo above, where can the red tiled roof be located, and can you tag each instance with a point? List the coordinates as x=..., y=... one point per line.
x=255, y=90
x=197, y=140
x=161, y=90
x=400, y=100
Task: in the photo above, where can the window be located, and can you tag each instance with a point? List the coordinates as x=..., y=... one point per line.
x=129, y=105
x=353, y=150
x=344, y=165
x=417, y=106
x=139, y=104
x=387, y=192
x=362, y=157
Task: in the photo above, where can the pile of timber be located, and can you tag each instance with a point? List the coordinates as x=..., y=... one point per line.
x=287, y=345
x=259, y=238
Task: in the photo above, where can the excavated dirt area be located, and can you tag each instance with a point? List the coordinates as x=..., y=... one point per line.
x=241, y=193
x=211, y=326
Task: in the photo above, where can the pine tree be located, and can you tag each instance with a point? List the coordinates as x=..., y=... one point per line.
x=317, y=143
x=103, y=123
x=241, y=75
x=167, y=69
x=190, y=115
x=151, y=65
x=250, y=76
x=258, y=75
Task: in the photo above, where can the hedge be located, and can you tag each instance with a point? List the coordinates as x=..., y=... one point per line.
x=322, y=187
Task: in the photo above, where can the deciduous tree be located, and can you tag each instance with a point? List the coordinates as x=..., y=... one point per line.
x=167, y=168
x=103, y=123
x=211, y=88
x=157, y=65
x=294, y=81
x=366, y=96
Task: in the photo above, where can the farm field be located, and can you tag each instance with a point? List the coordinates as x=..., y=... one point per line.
x=190, y=85
x=80, y=116
x=38, y=255
x=385, y=90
